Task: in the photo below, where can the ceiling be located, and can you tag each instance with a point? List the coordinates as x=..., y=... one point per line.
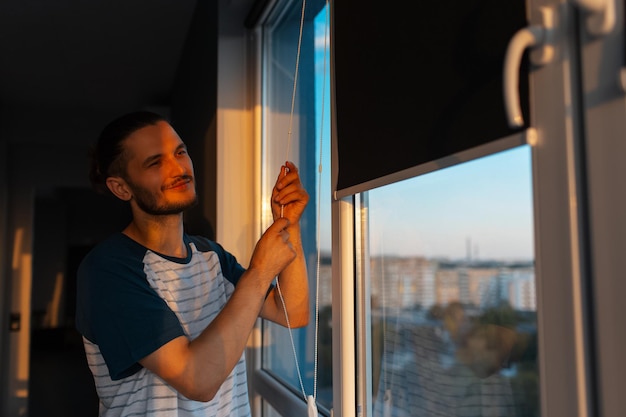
x=90, y=54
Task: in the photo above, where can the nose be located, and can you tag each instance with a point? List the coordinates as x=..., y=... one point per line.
x=178, y=166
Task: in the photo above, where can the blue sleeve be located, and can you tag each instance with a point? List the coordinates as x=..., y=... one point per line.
x=118, y=310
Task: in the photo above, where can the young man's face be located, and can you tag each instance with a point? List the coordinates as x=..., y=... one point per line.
x=159, y=171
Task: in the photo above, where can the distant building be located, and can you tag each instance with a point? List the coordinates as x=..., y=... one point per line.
x=411, y=282
x=447, y=286
x=403, y=282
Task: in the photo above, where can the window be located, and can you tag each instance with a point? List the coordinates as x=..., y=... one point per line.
x=452, y=291
x=308, y=146
x=462, y=297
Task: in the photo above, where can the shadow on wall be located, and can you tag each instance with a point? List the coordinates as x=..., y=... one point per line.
x=68, y=223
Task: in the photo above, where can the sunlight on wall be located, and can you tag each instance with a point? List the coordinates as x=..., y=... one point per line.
x=53, y=312
x=235, y=176
x=23, y=339
x=20, y=338
x=17, y=245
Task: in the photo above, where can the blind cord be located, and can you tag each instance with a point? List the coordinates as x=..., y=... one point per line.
x=310, y=399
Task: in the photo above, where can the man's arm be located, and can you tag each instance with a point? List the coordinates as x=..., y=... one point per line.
x=289, y=199
x=198, y=368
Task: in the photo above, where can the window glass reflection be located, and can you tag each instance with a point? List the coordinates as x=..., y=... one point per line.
x=452, y=286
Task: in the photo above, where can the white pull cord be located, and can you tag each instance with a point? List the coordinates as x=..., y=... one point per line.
x=311, y=406
x=293, y=90
x=310, y=399
x=293, y=345
x=387, y=403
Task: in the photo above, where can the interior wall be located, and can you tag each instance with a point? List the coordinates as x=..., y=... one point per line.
x=68, y=222
x=43, y=151
x=3, y=262
x=238, y=150
x=210, y=111
x=48, y=271
x=193, y=112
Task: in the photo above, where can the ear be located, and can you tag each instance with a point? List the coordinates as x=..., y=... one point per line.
x=119, y=188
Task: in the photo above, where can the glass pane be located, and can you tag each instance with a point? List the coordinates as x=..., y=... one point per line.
x=308, y=146
x=454, y=325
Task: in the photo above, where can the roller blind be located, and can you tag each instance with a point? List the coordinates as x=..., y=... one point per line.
x=415, y=82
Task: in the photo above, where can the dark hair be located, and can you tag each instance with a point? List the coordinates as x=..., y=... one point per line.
x=107, y=157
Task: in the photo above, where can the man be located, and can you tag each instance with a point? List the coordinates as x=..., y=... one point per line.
x=165, y=317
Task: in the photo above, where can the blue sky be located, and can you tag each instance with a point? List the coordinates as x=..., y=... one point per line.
x=486, y=202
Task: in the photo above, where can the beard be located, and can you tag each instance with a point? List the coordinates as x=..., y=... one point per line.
x=147, y=202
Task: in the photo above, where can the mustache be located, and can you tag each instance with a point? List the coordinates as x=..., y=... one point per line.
x=183, y=179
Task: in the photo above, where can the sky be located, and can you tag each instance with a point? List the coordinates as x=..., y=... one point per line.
x=482, y=208
x=484, y=204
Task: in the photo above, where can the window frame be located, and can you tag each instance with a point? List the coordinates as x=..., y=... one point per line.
x=284, y=399
x=560, y=222
x=603, y=85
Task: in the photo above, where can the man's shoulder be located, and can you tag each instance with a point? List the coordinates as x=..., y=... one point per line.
x=115, y=249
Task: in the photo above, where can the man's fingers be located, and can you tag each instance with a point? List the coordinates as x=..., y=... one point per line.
x=280, y=224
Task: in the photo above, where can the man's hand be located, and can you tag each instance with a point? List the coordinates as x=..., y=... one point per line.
x=289, y=194
x=273, y=252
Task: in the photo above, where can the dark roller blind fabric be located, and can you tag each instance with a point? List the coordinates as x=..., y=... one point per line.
x=417, y=81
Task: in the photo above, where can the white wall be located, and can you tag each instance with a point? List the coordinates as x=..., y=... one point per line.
x=237, y=166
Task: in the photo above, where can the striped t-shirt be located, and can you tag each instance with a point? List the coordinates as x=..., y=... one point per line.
x=131, y=301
